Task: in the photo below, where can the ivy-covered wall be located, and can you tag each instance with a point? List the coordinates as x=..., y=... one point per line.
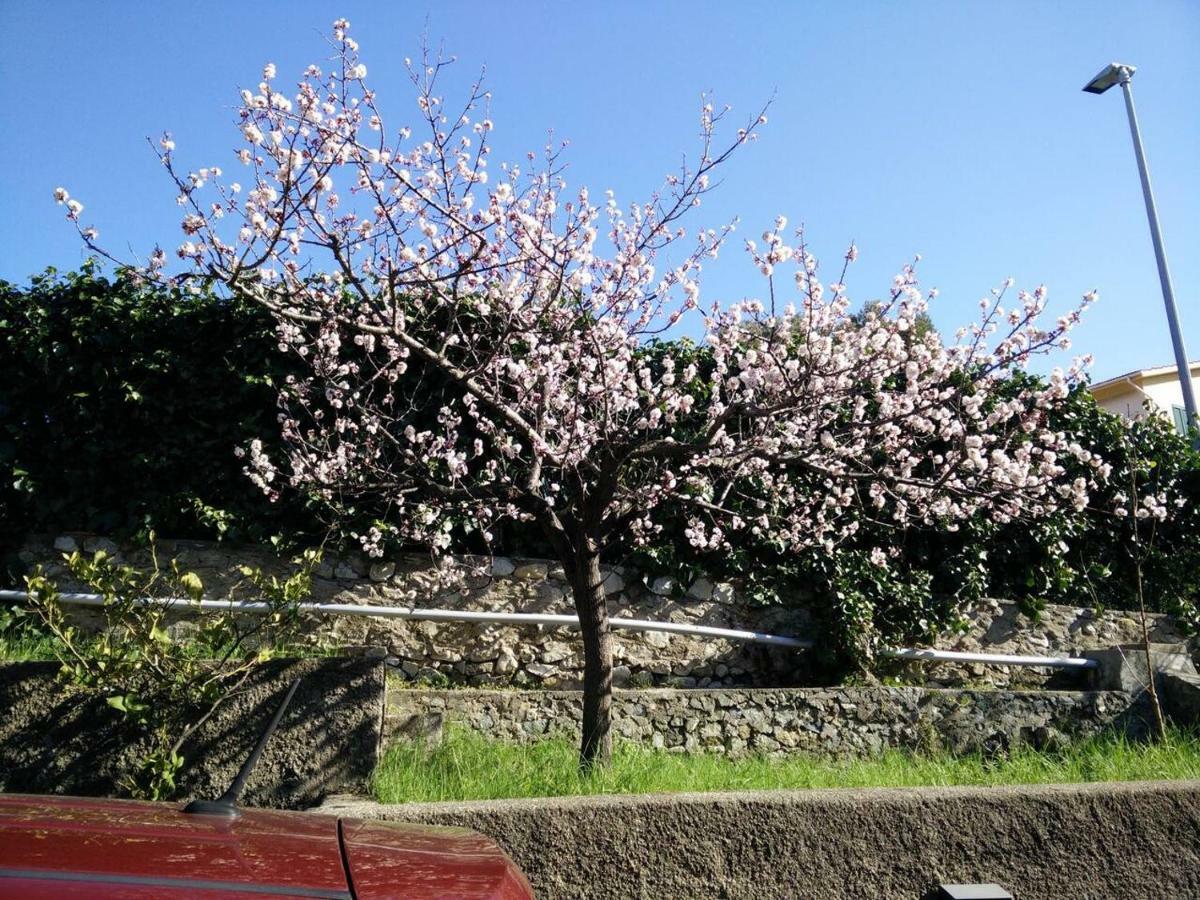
x=121, y=408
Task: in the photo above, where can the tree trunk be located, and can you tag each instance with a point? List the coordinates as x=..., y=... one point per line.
x=1160, y=721
x=592, y=608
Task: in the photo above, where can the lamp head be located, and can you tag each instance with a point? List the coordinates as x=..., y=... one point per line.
x=1113, y=73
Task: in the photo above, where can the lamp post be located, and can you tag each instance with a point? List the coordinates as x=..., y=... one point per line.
x=1118, y=73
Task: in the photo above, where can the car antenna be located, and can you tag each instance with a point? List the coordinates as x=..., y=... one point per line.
x=226, y=804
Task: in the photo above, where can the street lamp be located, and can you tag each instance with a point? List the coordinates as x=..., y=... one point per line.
x=1118, y=73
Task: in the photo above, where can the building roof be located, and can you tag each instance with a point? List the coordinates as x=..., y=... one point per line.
x=1141, y=375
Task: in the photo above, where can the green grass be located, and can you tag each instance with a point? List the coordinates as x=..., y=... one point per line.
x=467, y=766
x=28, y=647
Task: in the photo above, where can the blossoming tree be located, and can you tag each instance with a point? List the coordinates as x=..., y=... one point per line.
x=394, y=259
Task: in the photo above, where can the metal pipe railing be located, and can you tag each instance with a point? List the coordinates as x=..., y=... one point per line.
x=999, y=659
x=442, y=615
x=570, y=621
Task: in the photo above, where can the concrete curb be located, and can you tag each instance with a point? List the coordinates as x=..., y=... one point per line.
x=1118, y=840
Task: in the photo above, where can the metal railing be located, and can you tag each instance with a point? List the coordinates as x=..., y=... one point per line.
x=570, y=621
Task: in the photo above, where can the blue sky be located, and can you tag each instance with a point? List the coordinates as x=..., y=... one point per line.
x=955, y=130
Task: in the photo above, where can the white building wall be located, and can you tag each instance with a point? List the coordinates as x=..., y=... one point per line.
x=1128, y=405
x=1166, y=394
x=1162, y=391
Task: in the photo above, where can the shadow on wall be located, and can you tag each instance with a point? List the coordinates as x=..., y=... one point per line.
x=57, y=741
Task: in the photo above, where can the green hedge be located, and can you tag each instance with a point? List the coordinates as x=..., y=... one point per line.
x=1081, y=559
x=121, y=407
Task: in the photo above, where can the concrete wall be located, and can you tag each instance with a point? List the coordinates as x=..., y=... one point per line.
x=842, y=721
x=53, y=740
x=483, y=655
x=1097, y=841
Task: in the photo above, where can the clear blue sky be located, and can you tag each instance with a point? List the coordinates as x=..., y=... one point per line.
x=956, y=130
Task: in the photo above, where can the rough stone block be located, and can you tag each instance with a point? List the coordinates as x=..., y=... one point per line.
x=664, y=586
x=1181, y=698
x=540, y=670
x=612, y=582
x=723, y=593
x=66, y=544
x=531, y=572
x=382, y=571
x=506, y=662
x=1124, y=667
x=98, y=544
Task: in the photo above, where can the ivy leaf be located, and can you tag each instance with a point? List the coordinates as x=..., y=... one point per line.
x=191, y=583
x=130, y=704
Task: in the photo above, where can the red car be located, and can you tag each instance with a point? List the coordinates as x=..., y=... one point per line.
x=71, y=847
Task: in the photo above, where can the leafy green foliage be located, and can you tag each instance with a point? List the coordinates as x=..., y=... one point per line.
x=165, y=688
x=1090, y=558
x=121, y=407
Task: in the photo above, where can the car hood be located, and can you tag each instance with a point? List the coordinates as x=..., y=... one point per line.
x=70, y=846
x=387, y=859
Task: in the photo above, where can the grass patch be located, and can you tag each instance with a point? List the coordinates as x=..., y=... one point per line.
x=468, y=766
x=26, y=647
x=32, y=646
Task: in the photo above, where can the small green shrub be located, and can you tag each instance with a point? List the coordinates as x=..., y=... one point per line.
x=164, y=688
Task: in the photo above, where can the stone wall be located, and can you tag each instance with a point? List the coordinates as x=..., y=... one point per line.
x=1100, y=841
x=537, y=656
x=842, y=721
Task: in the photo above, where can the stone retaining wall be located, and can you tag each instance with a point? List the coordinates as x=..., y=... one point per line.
x=1099, y=841
x=537, y=656
x=842, y=721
